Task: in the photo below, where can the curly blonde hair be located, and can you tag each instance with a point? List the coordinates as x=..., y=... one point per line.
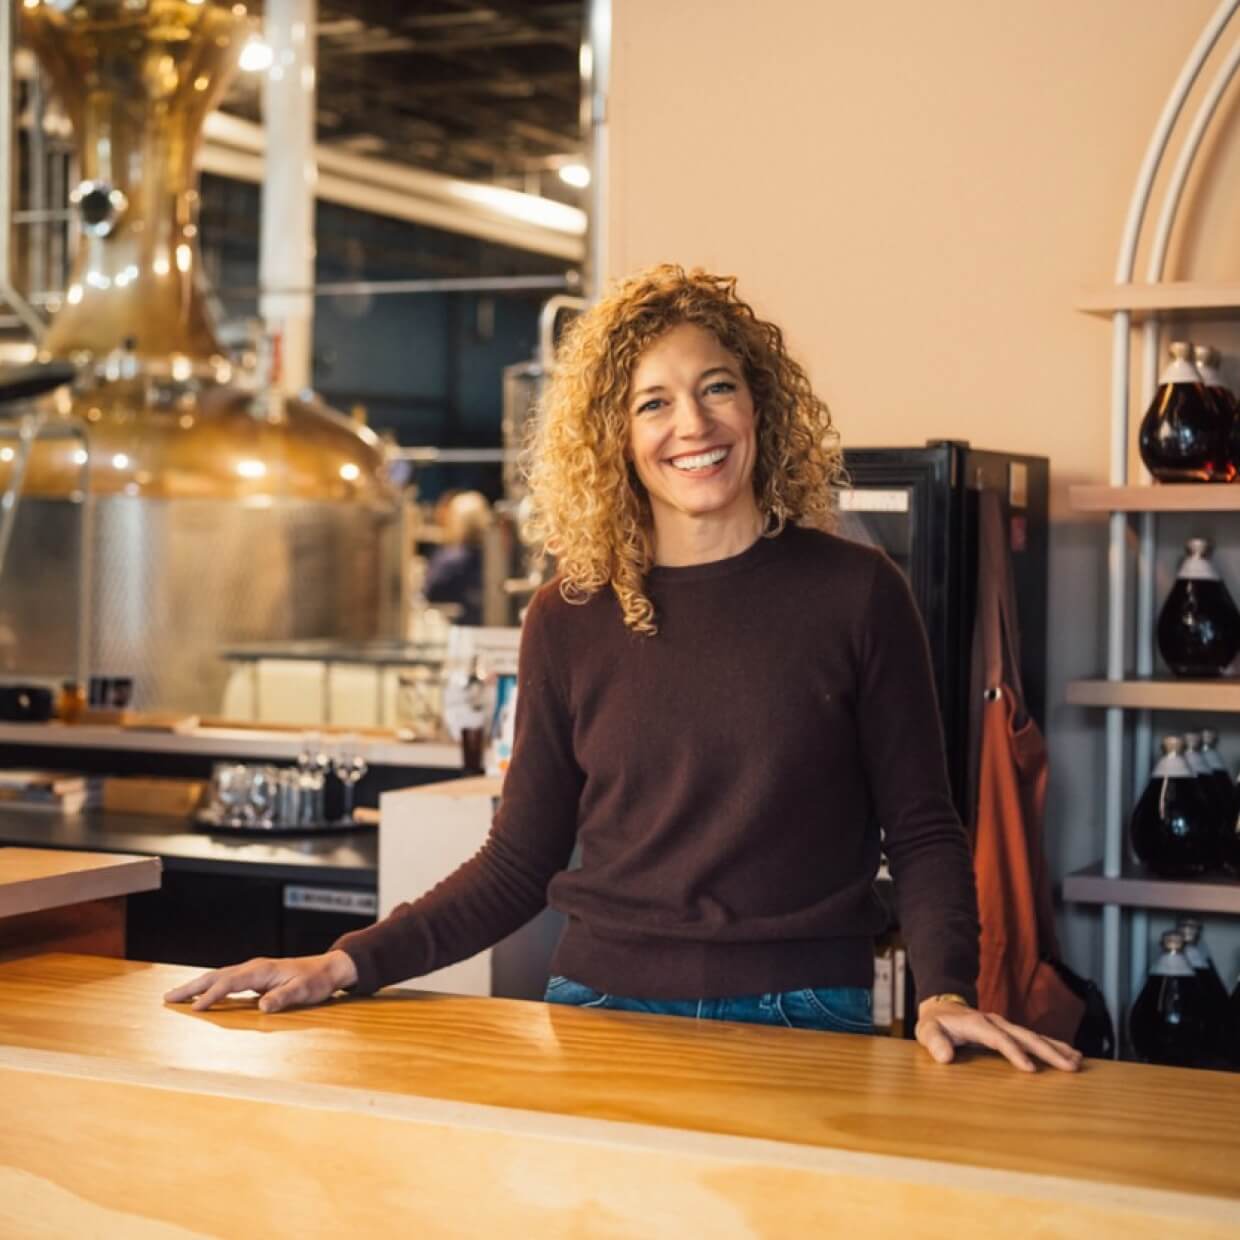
x=587, y=507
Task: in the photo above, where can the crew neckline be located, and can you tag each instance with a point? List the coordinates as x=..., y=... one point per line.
x=758, y=552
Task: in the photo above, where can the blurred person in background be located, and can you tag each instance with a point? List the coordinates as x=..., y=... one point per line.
x=454, y=572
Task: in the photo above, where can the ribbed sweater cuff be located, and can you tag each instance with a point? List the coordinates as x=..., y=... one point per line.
x=363, y=961
x=944, y=984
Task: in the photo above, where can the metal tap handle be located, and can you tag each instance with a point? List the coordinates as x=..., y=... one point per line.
x=23, y=382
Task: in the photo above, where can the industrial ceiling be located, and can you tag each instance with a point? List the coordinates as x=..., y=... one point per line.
x=484, y=91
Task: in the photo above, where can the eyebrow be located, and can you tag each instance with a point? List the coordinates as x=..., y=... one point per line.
x=714, y=370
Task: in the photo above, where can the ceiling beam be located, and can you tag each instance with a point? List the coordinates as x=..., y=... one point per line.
x=465, y=86
x=235, y=148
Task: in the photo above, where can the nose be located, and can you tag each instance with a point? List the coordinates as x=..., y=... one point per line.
x=692, y=417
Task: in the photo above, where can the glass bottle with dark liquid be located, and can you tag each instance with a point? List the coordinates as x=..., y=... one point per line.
x=1183, y=436
x=1199, y=626
x=1209, y=364
x=1230, y=849
x=1225, y=789
x=1168, y=1023
x=1171, y=825
x=1219, y=804
x=1214, y=993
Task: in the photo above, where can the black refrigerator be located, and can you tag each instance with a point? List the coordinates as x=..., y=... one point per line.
x=921, y=505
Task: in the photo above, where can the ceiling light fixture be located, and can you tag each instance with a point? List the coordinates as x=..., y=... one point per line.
x=576, y=175
x=256, y=56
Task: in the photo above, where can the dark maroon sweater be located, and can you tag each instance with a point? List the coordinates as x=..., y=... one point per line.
x=726, y=780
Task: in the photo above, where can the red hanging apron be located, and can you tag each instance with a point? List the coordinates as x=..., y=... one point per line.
x=1018, y=940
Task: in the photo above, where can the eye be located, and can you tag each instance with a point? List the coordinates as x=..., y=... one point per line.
x=650, y=405
x=720, y=385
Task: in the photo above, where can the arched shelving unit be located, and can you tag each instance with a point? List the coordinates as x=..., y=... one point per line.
x=1132, y=697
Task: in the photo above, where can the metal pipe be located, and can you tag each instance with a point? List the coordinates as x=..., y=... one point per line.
x=1149, y=372
x=58, y=192
x=37, y=276
x=1138, y=949
x=43, y=215
x=1143, y=729
x=546, y=326
x=452, y=456
x=1117, y=580
x=286, y=246
x=595, y=88
x=27, y=431
x=26, y=313
x=463, y=284
x=1162, y=133
x=1184, y=162
x=72, y=236
x=86, y=563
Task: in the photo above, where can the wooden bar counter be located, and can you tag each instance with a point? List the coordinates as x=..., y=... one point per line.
x=68, y=901
x=428, y=1115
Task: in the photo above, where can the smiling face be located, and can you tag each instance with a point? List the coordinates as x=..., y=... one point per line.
x=693, y=443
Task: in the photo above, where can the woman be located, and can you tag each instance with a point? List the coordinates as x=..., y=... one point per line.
x=720, y=702
x=454, y=573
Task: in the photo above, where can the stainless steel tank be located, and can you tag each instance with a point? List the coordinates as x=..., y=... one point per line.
x=218, y=514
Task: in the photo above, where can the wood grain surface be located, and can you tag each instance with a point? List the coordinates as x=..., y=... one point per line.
x=143, y=1153
x=1110, y=1125
x=90, y=927
x=33, y=879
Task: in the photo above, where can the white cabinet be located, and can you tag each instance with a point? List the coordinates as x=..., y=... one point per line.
x=425, y=833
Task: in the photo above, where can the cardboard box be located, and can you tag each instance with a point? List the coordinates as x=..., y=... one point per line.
x=144, y=795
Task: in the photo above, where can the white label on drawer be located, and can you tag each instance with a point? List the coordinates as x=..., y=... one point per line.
x=332, y=900
x=869, y=500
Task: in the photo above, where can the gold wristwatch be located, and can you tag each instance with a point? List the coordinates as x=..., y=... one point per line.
x=947, y=998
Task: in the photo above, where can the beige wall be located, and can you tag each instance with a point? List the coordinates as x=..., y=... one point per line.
x=917, y=192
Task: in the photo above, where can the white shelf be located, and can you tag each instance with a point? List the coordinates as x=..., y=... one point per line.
x=1220, y=695
x=1214, y=893
x=1175, y=298
x=1159, y=497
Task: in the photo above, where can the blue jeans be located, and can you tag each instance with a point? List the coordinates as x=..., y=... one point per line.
x=835, y=1009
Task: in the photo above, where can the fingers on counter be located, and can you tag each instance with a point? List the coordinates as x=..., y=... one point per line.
x=211, y=987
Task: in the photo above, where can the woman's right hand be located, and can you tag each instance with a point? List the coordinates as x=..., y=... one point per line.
x=295, y=981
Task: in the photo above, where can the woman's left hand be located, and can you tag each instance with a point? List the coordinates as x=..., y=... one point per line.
x=944, y=1024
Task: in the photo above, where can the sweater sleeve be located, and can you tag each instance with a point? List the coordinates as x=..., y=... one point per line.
x=504, y=885
x=906, y=766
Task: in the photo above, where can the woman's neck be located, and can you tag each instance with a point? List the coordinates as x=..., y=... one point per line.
x=699, y=540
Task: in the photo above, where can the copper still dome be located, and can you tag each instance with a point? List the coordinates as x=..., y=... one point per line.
x=137, y=82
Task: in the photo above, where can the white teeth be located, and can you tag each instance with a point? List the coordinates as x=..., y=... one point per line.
x=702, y=461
